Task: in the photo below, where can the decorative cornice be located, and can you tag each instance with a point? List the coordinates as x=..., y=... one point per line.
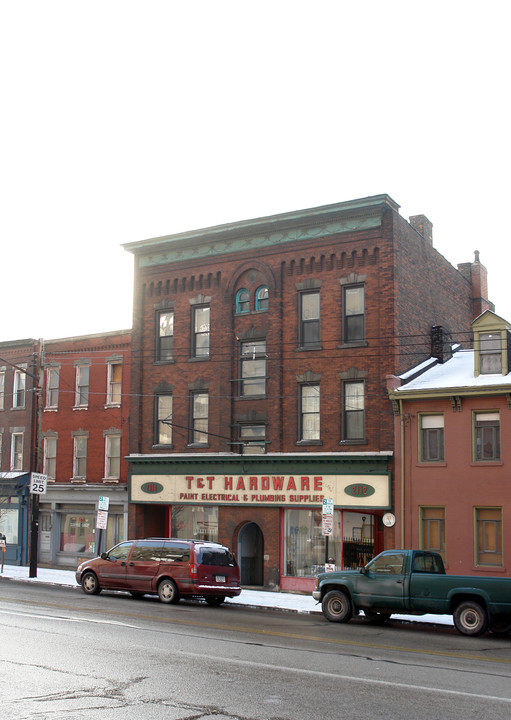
x=272, y=231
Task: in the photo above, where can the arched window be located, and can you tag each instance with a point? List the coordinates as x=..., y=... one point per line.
x=261, y=298
x=242, y=301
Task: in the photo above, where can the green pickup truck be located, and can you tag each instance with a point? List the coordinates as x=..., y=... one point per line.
x=413, y=582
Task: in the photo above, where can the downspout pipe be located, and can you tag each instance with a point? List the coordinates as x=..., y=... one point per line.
x=402, y=471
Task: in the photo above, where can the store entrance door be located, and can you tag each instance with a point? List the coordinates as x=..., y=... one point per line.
x=250, y=554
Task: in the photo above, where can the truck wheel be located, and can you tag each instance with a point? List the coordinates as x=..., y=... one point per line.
x=470, y=618
x=336, y=606
x=500, y=624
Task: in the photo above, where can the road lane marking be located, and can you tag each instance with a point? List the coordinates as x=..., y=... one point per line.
x=68, y=619
x=278, y=634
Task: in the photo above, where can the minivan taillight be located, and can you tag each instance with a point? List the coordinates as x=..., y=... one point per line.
x=193, y=570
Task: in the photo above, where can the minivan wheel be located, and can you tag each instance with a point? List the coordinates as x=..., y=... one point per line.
x=167, y=591
x=90, y=584
x=214, y=600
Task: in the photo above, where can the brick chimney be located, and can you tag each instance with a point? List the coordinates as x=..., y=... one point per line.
x=423, y=226
x=441, y=342
x=477, y=275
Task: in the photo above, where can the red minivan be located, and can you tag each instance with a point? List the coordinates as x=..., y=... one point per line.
x=167, y=567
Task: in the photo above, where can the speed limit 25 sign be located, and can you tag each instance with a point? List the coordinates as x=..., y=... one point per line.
x=38, y=483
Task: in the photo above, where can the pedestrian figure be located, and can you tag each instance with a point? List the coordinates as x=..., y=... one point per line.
x=3, y=542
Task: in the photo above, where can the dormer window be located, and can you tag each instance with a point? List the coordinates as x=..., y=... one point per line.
x=490, y=348
x=492, y=344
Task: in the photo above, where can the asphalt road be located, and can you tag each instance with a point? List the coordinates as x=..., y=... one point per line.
x=67, y=655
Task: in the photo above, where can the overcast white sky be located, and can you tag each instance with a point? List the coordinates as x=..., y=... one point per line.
x=128, y=120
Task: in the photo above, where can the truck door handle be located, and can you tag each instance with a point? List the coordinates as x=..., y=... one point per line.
x=399, y=582
x=131, y=564
x=123, y=563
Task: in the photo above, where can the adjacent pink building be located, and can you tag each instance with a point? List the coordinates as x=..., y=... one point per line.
x=452, y=489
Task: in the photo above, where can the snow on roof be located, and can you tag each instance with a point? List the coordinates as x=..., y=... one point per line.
x=458, y=372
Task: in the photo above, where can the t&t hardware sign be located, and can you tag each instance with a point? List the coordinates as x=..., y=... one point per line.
x=275, y=490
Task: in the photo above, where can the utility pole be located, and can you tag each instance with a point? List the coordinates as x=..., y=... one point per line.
x=38, y=377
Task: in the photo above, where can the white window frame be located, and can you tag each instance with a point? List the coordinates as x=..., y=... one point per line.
x=310, y=412
x=19, y=387
x=82, y=388
x=2, y=388
x=200, y=418
x=50, y=459
x=17, y=453
x=163, y=431
x=113, y=461
x=52, y=387
x=114, y=385
x=80, y=456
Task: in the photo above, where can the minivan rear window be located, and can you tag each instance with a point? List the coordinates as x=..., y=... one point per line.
x=216, y=556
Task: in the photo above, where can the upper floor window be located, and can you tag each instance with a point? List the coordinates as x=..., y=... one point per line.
x=354, y=410
x=50, y=457
x=309, y=319
x=252, y=439
x=2, y=388
x=163, y=419
x=487, y=436
x=433, y=529
x=52, y=387
x=432, y=438
x=112, y=456
x=82, y=386
x=262, y=299
x=17, y=451
x=80, y=456
x=309, y=412
x=18, y=397
x=253, y=368
x=490, y=348
x=242, y=301
x=165, y=339
x=199, y=418
x=114, y=383
x=201, y=328
x=353, y=313
x=488, y=536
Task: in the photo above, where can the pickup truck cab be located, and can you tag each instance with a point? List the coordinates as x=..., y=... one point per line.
x=414, y=582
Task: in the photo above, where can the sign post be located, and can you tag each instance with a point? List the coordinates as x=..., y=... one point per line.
x=102, y=519
x=327, y=523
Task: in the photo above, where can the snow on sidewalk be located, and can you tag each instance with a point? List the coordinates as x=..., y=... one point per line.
x=252, y=598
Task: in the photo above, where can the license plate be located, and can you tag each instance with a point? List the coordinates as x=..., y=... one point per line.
x=220, y=578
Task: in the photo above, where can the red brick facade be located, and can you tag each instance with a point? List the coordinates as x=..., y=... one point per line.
x=362, y=247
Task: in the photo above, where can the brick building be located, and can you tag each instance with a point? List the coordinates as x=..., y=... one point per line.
x=18, y=407
x=259, y=355
x=452, y=424
x=84, y=440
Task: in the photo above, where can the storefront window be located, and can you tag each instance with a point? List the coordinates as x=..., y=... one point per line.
x=76, y=532
x=195, y=522
x=9, y=519
x=306, y=549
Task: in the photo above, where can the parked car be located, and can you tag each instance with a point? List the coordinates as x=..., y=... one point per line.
x=167, y=567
